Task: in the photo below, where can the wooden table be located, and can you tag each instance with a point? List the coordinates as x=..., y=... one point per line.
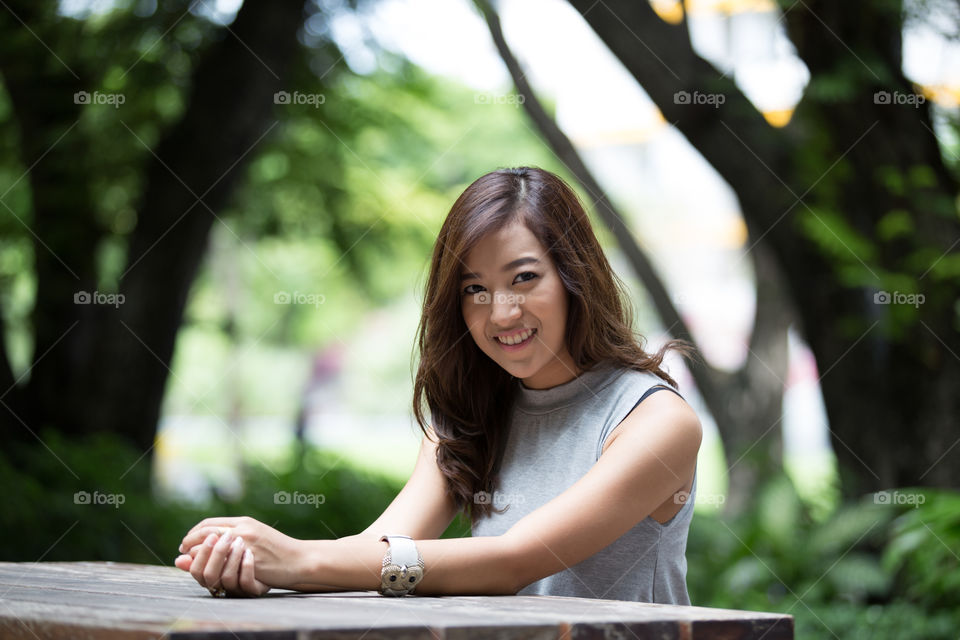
x=115, y=600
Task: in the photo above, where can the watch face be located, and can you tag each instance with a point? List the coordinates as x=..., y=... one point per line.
x=400, y=578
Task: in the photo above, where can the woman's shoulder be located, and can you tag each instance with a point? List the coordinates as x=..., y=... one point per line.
x=628, y=375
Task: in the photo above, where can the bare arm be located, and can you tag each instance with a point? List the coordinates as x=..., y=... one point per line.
x=651, y=459
x=458, y=566
x=422, y=509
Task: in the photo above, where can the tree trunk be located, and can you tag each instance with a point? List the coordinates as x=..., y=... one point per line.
x=66, y=232
x=879, y=371
x=894, y=418
x=746, y=405
x=100, y=367
x=195, y=168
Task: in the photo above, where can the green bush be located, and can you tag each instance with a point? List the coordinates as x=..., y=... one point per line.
x=46, y=517
x=875, y=568
x=924, y=549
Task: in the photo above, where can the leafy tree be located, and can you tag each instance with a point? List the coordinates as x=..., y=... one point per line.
x=132, y=142
x=118, y=161
x=857, y=203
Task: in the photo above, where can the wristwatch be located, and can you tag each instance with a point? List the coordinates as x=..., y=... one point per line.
x=402, y=566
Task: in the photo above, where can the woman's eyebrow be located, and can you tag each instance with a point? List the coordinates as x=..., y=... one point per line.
x=510, y=265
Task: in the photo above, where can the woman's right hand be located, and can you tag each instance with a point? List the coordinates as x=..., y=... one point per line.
x=228, y=558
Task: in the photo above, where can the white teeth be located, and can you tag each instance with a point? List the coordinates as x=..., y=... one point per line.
x=518, y=338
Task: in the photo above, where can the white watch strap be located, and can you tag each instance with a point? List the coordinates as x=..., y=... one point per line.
x=403, y=550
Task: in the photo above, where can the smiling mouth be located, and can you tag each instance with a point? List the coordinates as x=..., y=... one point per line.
x=518, y=345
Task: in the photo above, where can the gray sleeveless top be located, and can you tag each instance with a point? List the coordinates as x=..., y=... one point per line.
x=555, y=436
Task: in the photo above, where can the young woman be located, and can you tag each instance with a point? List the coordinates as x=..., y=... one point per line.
x=545, y=430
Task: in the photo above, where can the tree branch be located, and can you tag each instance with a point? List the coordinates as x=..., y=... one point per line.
x=745, y=403
x=189, y=180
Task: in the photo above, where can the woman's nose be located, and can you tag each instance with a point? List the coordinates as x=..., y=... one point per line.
x=504, y=307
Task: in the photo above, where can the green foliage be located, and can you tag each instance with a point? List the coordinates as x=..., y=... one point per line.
x=892, y=621
x=45, y=517
x=836, y=236
x=861, y=263
x=946, y=268
x=341, y=200
x=860, y=569
x=892, y=179
x=895, y=223
x=883, y=220
x=875, y=568
x=924, y=546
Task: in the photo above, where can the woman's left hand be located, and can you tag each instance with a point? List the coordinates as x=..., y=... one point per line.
x=215, y=558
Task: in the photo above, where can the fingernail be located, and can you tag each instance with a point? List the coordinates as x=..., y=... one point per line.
x=238, y=542
x=210, y=539
x=180, y=548
x=224, y=542
x=248, y=555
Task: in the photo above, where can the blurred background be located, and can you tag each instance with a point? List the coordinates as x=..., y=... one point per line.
x=217, y=218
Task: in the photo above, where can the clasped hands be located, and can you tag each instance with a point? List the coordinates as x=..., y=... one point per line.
x=241, y=556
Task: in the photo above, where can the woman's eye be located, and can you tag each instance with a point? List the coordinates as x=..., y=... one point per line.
x=467, y=290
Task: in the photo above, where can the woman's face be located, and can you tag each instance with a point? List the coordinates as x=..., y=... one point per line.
x=509, y=287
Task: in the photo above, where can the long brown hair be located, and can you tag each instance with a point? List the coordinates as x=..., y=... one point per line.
x=470, y=396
